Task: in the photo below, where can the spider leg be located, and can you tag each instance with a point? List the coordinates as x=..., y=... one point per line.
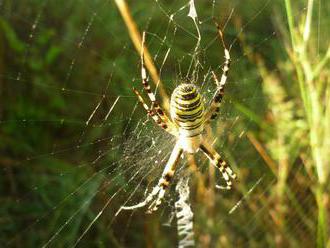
x=217, y=98
x=216, y=160
x=160, y=122
x=157, y=194
x=145, y=82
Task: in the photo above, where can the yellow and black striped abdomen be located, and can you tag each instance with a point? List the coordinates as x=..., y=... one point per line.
x=187, y=110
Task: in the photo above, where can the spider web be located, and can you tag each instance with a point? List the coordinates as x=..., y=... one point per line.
x=86, y=147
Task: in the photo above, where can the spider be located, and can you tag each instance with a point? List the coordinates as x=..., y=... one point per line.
x=188, y=120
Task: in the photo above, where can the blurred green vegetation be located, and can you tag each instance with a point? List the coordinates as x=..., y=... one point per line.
x=60, y=59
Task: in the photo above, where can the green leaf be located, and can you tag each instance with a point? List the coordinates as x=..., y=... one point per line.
x=52, y=54
x=13, y=41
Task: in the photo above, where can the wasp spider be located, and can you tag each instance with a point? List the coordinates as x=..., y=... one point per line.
x=188, y=120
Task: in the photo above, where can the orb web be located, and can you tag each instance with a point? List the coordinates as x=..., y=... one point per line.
x=77, y=146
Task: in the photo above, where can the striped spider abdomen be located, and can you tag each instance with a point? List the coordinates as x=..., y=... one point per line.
x=187, y=112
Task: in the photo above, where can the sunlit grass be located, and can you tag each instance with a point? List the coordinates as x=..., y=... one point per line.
x=296, y=129
x=299, y=107
x=310, y=62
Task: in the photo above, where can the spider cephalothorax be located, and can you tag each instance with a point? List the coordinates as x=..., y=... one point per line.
x=188, y=118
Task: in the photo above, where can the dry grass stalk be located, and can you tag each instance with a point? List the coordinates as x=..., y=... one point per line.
x=135, y=36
